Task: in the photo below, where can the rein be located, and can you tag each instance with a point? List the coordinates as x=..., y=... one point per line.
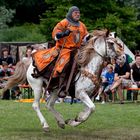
x=105, y=49
x=91, y=76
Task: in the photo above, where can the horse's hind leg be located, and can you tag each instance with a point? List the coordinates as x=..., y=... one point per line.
x=88, y=110
x=36, y=107
x=57, y=115
x=36, y=84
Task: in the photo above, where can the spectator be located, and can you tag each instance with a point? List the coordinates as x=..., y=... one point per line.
x=113, y=62
x=5, y=72
x=6, y=58
x=6, y=65
x=135, y=72
x=109, y=79
x=107, y=82
x=129, y=61
x=122, y=76
x=28, y=56
x=104, y=71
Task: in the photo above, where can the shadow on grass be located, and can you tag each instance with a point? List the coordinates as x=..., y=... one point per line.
x=70, y=134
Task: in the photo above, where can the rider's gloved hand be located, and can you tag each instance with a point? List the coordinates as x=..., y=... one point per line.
x=67, y=32
x=63, y=34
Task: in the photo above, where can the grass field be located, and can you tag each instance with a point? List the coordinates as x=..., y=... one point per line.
x=110, y=122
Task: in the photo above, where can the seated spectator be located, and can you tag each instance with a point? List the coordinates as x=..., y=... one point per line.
x=27, y=59
x=104, y=71
x=129, y=61
x=6, y=58
x=109, y=78
x=135, y=74
x=107, y=82
x=5, y=72
x=122, y=76
x=113, y=63
x=28, y=56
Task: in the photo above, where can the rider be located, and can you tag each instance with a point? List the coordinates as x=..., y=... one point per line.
x=69, y=34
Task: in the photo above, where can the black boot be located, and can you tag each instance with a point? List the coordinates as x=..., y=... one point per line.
x=62, y=87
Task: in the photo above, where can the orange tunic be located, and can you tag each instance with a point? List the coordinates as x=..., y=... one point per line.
x=72, y=41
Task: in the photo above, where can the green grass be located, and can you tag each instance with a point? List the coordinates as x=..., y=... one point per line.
x=18, y=121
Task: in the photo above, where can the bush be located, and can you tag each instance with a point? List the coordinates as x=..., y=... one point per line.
x=29, y=33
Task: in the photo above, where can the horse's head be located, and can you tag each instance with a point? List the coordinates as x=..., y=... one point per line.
x=118, y=48
x=100, y=43
x=114, y=49
x=106, y=44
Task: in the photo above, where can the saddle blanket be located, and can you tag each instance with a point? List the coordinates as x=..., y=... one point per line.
x=43, y=58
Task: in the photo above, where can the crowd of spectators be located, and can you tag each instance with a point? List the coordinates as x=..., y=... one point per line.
x=7, y=67
x=122, y=73
x=116, y=75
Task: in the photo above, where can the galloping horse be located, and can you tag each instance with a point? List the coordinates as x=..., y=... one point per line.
x=92, y=56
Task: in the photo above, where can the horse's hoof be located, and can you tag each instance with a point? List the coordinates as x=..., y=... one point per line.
x=72, y=122
x=61, y=125
x=67, y=121
x=46, y=129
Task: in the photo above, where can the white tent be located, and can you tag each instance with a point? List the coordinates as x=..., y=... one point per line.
x=126, y=49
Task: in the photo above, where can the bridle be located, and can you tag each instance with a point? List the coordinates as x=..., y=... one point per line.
x=105, y=40
x=94, y=40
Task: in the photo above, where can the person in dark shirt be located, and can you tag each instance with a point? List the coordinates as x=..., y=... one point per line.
x=135, y=74
x=122, y=76
x=6, y=70
x=6, y=58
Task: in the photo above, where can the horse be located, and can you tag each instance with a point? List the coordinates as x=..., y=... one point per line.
x=91, y=59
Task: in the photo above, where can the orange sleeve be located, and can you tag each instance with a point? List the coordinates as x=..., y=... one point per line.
x=60, y=27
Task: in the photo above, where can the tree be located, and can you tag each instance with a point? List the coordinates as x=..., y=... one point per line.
x=96, y=14
x=26, y=10
x=5, y=17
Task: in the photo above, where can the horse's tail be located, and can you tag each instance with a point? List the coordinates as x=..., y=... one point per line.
x=19, y=76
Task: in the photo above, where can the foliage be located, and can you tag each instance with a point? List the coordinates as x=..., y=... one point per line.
x=26, y=10
x=122, y=16
x=26, y=32
x=5, y=16
x=96, y=14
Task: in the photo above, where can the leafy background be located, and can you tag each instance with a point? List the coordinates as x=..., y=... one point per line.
x=33, y=20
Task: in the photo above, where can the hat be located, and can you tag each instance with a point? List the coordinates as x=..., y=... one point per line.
x=73, y=8
x=69, y=15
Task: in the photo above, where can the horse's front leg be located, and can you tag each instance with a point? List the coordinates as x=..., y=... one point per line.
x=88, y=110
x=50, y=105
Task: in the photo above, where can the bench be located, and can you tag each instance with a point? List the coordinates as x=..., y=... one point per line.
x=26, y=90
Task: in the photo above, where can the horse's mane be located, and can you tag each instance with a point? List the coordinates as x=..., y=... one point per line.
x=103, y=32
x=86, y=52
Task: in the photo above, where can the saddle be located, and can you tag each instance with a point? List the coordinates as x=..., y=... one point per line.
x=64, y=79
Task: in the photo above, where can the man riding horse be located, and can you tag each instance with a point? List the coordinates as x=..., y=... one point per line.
x=69, y=34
